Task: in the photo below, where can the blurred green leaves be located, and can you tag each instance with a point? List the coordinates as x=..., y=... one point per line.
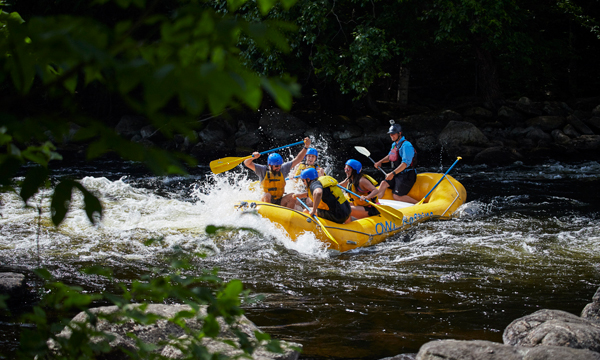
x=208, y=296
x=170, y=68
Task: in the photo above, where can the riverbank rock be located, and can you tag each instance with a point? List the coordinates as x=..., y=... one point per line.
x=487, y=350
x=527, y=130
x=592, y=310
x=542, y=335
x=161, y=333
x=15, y=287
x=553, y=327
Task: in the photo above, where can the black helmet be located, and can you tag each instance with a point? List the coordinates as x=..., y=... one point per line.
x=394, y=129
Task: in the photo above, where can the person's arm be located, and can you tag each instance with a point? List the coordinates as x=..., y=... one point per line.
x=298, y=159
x=396, y=171
x=300, y=195
x=317, y=196
x=384, y=160
x=249, y=163
x=367, y=185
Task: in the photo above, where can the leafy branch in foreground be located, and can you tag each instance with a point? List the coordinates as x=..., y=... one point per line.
x=211, y=308
x=169, y=62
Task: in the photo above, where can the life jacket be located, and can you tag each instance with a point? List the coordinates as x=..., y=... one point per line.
x=355, y=200
x=395, y=156
x=329, y=183
x=303, y=166
x=274, y=185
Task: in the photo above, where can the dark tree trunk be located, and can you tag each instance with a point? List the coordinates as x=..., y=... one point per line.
x=488, y=85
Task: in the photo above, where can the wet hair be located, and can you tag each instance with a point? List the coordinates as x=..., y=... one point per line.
x=355, y=177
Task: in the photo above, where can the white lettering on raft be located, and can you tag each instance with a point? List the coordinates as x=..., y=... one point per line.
x=389, y=226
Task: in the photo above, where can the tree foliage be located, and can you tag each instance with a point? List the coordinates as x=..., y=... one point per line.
x=508, y=47
x=167, y=61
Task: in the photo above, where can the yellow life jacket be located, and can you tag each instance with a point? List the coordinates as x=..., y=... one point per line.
x=331, y=183
x=303, y=166
x=274, y=185
x=356, y=201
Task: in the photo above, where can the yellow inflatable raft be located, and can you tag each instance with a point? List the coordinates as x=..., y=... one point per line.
x=440, y=204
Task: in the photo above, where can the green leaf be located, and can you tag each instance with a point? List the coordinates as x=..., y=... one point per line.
x=43, y=273
x=34, y=179
x=98, y=270
x=92, y=204
x=9, y=165
x=210, y=327
x=61, y=200
x=265, y=5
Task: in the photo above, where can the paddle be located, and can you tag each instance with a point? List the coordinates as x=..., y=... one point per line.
x=221, y=165
x=442, y=178
x=387, y=209
x=367, y=153
x=318, y=222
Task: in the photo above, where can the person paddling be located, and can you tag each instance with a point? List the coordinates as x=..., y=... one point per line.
x=328, y=200
x=272, y=176
x=403, y=175
x=363, y=185
x=310, y=161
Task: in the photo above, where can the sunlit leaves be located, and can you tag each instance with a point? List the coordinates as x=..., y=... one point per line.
x=61, y=201
x=35, y=179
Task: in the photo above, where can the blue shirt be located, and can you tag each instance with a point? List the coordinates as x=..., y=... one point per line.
x=406, y=151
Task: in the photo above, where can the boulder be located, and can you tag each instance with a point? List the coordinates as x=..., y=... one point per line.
x=587, y=142
x=478, y=113
x=547, y=123
x=281, y=127
x=557, y=353
x=428, y=122
x=247, y=136
x=497, y=155
x=487, y=350
x=151, y=133
x=594, y=123
x=509, y=116
x=462, y=133
x=163, y=330
x=560, y=137
x=427, y=144
x=570, y=131
x=467, y=350
x=592, y=310
x=553, y=328
x=554, y=108
x=401, y=357
x=537, y=134
x=528, y=107
x=579, y=125
x=368, y=122
x=346, y=132
x=129, y=126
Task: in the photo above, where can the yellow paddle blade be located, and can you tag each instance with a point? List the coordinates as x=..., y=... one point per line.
x=327, y=232
x=221, y=165
x=384, y=209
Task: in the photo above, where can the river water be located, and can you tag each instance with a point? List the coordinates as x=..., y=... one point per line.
x=527, y=238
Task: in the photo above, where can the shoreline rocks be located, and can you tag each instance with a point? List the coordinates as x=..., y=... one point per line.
x=165, y=336
x=543, y=335
x=520, y=130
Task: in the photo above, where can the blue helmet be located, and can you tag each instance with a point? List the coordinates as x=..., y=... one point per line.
x=310, y=174
x=312, y=151
x=394, y=129
x=275, y=159
x=355, y=164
